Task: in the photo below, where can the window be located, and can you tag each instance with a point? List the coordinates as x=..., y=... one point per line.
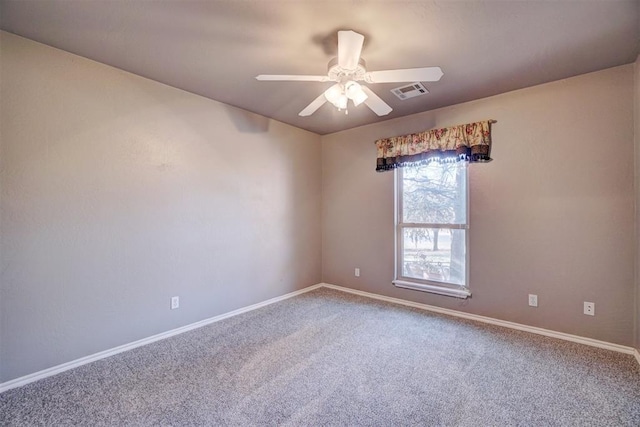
x=432, y=228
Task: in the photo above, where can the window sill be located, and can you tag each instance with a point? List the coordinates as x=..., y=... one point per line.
x=434, y=289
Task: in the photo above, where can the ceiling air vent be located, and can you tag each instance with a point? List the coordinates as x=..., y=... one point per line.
x=409, y=91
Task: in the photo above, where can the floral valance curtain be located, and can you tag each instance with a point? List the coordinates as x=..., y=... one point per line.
x=470, y=142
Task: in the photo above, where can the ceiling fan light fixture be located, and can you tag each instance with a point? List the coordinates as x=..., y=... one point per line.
x=351, y=88
x=342, y=101
x=333, y=94
x=360, y=98
x=354, y=92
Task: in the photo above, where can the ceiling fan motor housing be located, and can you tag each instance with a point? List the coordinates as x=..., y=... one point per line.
x=342, y=75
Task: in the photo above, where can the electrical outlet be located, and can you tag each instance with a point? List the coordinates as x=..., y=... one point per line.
x=533, y=300
x=175, y=303
x=357, y=272
x=590, y=308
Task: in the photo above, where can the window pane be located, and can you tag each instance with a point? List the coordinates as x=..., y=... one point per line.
x=435, y=193
x=434, y=254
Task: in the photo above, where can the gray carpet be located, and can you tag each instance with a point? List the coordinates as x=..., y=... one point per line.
x=331, y=358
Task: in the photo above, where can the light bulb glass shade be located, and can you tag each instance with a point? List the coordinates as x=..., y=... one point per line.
x=354, y=92
x=341, y=103
x=351, y=89
x=333, y=94
x=359, y=97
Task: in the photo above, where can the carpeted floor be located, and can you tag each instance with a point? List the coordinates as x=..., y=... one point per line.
x=331, y=358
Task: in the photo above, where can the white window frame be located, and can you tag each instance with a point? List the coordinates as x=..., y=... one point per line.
x=424, y=285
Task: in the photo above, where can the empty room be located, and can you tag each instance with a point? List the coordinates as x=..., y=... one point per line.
x=277, y=212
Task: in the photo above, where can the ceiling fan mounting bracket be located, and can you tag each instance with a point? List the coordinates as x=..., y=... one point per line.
x=342, y=75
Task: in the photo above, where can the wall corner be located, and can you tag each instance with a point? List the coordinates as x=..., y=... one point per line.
x=636, y=137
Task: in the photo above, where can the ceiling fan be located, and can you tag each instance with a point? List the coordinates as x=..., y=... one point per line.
x=347, y=70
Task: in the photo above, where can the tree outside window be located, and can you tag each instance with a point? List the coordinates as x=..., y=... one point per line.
x=433, y=222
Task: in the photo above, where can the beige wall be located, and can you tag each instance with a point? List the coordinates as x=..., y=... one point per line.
x=552, y=215
x=119, y=192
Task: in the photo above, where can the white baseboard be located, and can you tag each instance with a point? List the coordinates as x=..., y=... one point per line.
x=18, y=382
x=512, y=325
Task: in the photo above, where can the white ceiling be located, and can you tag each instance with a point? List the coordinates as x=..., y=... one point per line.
x=216, y=48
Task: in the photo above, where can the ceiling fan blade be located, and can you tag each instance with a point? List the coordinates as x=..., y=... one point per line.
x=376, y=103
x=349, y=49
x=426, y=74
x=298, y=78
x=315, y=104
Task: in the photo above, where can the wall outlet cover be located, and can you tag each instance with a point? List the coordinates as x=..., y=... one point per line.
x=590, y=308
